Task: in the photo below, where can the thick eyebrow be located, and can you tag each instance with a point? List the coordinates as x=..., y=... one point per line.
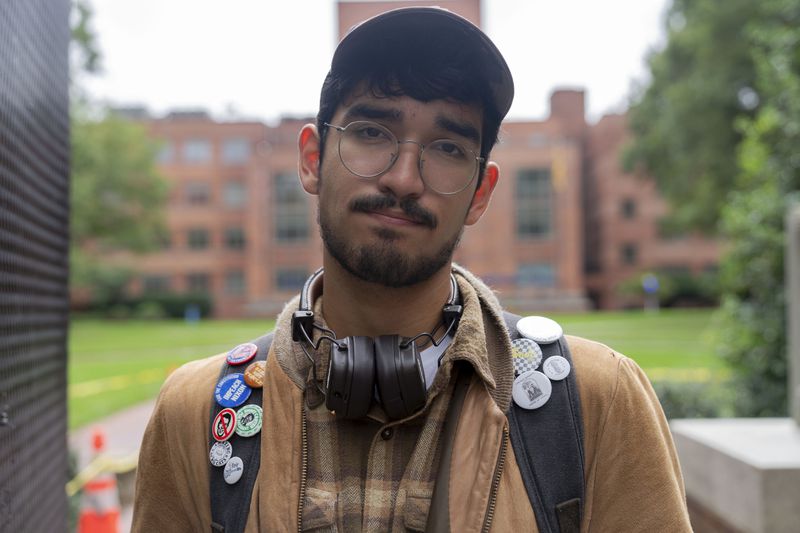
x=362, y=111
x=464, y=129
x=367, y=111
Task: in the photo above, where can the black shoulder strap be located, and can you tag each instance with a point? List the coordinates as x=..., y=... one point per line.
x=551, y=467
x=548, y=445
x=230, y=504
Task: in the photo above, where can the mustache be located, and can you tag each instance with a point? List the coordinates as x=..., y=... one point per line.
x=409, y=206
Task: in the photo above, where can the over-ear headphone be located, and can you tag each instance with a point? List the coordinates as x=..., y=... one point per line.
x=358, y=364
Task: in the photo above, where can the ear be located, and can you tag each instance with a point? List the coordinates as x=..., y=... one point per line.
x=308, y=163
x=480, y=200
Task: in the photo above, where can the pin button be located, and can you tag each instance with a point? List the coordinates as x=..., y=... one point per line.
x=248, y=420
x=531, y=390
x=220, y=453
x=556, y=367
x=233, y=470
x=232, y=391
x=527, y=355
x=540, y=329
x=242, y=353
x=254, y=374
x=224, y=424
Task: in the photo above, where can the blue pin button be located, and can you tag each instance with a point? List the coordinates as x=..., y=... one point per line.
x=232, y=391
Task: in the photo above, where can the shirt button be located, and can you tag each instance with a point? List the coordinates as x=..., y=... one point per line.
x=387, y=433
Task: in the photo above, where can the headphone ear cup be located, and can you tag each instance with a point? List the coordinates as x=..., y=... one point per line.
x=400, y=376
x=351, y=377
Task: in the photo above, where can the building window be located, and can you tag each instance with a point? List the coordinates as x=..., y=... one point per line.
x=198, y=239
x=166, y=152
x=197, y=151
x=234, y=194
x=197, y=193
x=629, y=253
x=536, y=275
x=291, y=209
x=628, y=208
x=235, y=151
x=290, y=279
x=198, y=282
x=155, y=283
x=234, y=282
x=534, y=198
x=234, y=239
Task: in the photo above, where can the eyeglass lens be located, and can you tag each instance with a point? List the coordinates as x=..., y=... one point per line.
x=368, y=150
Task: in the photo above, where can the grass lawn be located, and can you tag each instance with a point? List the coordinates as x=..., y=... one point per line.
x=115, y=364
x=671, y=344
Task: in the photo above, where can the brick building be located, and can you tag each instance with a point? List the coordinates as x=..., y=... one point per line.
x=565, y=228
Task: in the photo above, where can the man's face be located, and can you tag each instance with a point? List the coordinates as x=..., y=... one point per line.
x=392, y=229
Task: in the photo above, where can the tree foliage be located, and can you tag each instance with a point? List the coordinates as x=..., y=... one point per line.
x=683, y=122
x=753, y=319
x=85, y=53
x=719, y=129
x=116, y=189
x=116, y=194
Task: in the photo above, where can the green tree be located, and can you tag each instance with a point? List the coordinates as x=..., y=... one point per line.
x=117, y=196
x=718, y=127
x=752, y=319
x=683, y=120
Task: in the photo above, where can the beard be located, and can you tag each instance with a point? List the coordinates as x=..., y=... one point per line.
x=381, y=261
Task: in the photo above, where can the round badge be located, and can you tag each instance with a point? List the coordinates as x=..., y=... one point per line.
x=527, y=355
x=232, y=391
x=224, y=424
x=220, y=452
x=531, y=390
x=556, y=367
x=539, y=329
x=248, y=420
x=242, y=353
x=254, y=374
x=233, y=470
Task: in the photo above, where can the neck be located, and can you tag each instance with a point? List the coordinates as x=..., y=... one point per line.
x=352, y=306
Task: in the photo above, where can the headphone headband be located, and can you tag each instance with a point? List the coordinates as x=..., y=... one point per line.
x=303, y=318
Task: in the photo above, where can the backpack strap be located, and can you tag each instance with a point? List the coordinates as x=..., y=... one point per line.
x=548, y=446
x=230, y=504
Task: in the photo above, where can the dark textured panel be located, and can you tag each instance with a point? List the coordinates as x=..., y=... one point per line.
x=34, y=221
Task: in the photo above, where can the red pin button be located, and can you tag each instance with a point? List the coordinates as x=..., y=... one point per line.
x=224, y=424
x=242, y=353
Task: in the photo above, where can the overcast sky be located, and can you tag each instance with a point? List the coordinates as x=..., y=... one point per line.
x=264, y=59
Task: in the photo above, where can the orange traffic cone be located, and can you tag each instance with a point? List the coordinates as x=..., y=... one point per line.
x=100, y=499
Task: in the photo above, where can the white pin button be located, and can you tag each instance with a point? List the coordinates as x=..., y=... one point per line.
x=540, y=329
x=556, y=367
x=233, y=470
x=527, y=355
x=531, y=390
x=220, y=453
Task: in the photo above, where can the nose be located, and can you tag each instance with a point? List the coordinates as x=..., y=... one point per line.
x=403, y=178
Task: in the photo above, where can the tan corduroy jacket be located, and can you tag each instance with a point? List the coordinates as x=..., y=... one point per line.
x=633, y=480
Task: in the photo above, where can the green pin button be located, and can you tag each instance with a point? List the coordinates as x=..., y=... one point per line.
x=248, y=420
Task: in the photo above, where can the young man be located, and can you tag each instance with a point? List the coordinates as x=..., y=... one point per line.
x=398, y=161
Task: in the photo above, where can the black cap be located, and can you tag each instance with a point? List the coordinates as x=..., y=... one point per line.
x=424, y=24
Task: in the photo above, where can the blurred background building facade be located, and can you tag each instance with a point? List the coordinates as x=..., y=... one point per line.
x=568, y=228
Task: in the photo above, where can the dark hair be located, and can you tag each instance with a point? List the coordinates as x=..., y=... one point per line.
x=425, y=69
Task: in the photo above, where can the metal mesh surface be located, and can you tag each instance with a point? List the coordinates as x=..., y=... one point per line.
x=34, y=188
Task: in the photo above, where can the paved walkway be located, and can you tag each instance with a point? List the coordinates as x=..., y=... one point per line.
x=123, y=431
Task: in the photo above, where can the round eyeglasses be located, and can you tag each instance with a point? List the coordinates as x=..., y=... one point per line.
x=368, y=150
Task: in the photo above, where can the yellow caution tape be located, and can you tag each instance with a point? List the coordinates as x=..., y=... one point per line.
x=101, y=464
